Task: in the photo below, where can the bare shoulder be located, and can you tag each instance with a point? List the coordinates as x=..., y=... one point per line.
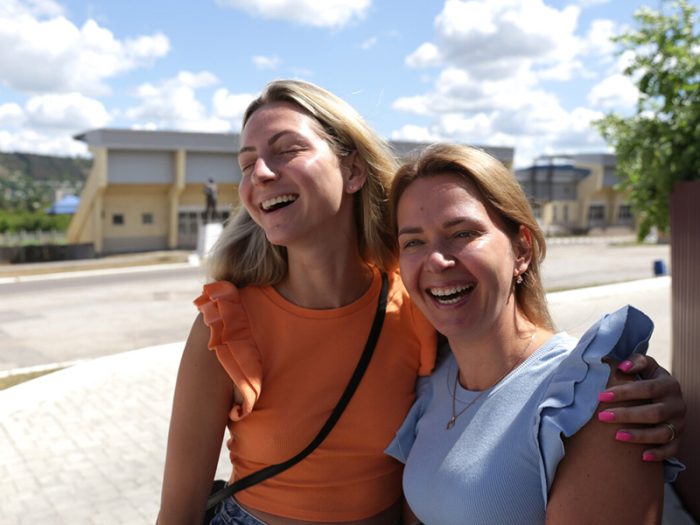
x=599, y=476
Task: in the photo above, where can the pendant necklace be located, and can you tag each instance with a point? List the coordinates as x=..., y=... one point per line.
x=456, y=414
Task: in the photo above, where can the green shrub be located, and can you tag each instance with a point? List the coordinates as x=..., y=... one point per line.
x=16, y=221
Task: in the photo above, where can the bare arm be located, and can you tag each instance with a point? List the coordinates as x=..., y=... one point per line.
x=662, y=405
x=203, y=397
x=601, y=481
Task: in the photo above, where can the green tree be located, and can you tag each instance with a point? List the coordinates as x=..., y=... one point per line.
x=660, y=144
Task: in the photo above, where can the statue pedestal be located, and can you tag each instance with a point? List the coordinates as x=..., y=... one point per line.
x=207, y=235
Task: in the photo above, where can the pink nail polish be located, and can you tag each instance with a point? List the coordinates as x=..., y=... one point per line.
x=621, y=435
x=606, y=397
x=625, y=366
x=606, y=416
x=648, y=456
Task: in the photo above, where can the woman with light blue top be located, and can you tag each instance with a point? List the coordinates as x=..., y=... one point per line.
x=504, y=430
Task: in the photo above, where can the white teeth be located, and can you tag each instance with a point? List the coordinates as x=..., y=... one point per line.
x=268, y=204
x=450, y=294
x=451, y=290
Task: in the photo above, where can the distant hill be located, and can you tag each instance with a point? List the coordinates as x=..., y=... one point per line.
x=47, y=168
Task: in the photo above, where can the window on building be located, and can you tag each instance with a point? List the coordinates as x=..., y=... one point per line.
x=596, y=212
x=624, y=212
x=566, y=213
x=118, y=219
x=187, y=222
x=554, y=214
x=146, y=218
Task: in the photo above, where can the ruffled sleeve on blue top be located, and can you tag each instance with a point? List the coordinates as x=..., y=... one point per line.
x=571, y=397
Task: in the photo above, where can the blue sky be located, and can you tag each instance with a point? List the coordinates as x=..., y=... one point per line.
x=528, y=74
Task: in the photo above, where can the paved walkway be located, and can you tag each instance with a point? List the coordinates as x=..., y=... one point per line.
x=86, y=444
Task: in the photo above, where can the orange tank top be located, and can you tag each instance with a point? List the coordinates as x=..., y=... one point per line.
x=291, y=365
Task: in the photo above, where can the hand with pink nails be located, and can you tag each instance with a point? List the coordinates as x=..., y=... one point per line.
x=657, y=405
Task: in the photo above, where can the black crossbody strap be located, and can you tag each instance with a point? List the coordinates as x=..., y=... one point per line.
x=272, y=470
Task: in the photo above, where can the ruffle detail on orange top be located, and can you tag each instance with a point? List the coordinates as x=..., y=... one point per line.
x=232, y=340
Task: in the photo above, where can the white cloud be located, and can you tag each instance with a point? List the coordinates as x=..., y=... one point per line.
x=35, y=7
x=493, y=38
x=497, y=57
x=71, y=111
x=329, y=13
x=615, y=91
x=598, y=39
x=457, y=90
x=173, y=105
x=46, y=144
x=47, y=122
x=531, y=121
x=456, y=126
x=51, y=54
x=11, y=115
x=229, y=106
x=415, y=133
x=264, y=62
x=460, y=18
x=427, y=54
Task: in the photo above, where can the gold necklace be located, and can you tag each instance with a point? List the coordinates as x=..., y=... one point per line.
x=455, y=414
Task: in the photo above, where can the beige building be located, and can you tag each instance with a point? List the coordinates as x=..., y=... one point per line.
x=576, y=193
x=145, y=190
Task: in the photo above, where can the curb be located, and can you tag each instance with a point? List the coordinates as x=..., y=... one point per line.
x=111, y=270
x=653, y=283
x=111, y=261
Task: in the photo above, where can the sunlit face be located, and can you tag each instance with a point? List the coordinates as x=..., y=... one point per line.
x=456, y=260
x=292, y=184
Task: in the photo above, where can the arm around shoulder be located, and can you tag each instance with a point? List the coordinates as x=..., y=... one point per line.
x=601, y=480
x=204, y=394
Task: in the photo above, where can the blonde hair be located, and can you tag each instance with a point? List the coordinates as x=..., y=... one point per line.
x=244, y=256
x=505, y=197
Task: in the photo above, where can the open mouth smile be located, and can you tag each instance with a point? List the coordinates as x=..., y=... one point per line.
x=278, y=202
x=450, y=294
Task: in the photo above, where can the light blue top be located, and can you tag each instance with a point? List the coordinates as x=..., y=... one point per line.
x=497, y=464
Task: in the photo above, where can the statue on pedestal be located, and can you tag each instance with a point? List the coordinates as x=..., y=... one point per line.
x=210, y=194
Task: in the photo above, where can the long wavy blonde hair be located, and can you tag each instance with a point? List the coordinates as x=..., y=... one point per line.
x=244, y=256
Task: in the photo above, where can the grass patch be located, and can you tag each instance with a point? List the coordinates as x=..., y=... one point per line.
x=16, y=379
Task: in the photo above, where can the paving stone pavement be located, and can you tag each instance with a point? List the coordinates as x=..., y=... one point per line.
x=86, y=445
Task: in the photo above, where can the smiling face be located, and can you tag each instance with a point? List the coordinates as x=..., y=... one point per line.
x=293, y=184
x=456, y=260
